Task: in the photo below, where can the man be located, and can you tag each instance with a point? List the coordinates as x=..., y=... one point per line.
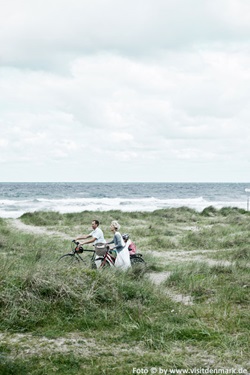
x=96, y=236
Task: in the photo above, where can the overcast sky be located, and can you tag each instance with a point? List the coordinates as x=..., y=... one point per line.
x=125, y=90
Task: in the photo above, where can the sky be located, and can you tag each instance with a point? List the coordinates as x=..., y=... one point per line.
x=125, y=90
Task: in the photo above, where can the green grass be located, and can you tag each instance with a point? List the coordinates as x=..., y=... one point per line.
x=111, y=322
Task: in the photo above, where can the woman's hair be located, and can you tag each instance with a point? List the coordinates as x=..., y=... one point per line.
x=115, y=224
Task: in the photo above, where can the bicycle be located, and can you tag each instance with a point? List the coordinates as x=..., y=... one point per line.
x=102, y=256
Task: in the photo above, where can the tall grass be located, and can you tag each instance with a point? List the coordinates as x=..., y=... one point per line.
x=131, y=322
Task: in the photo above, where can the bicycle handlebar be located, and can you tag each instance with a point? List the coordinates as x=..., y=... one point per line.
x=78, y=243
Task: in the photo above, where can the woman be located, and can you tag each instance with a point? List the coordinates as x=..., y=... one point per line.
x=123, y=258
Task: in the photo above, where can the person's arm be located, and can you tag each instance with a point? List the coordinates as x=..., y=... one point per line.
x=86, y=240
x=91, y=239
x=86, y=236
x=83, y=237
x=117, y=241
x=110, y=242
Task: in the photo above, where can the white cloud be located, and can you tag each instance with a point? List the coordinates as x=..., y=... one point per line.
x=146, y=87
x=4, y=143
x=121, y=137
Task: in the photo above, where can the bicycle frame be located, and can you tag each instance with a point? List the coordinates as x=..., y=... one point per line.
x=100, y=261
x=106, y=258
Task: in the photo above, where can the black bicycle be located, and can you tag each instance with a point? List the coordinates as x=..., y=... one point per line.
x=102, y=256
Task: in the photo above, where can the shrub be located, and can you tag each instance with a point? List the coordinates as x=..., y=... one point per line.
x=209, y=211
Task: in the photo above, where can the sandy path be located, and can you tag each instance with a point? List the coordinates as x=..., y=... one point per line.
x=184, y=256
x=27, y=345
x=19, y=225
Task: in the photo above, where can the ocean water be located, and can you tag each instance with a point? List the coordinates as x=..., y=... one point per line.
x=18, y=198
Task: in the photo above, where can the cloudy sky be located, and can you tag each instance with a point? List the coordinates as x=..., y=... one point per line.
x=125, y=90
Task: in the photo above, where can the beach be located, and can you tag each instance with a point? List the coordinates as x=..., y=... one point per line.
x=18, y=198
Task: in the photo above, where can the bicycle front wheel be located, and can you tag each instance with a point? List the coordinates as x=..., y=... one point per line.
x=69, y=260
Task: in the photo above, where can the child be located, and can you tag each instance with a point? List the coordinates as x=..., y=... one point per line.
x=129, y=244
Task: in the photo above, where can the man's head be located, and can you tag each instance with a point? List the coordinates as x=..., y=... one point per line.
x=95, y=224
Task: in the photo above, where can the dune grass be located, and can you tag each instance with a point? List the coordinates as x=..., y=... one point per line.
x=111, y=322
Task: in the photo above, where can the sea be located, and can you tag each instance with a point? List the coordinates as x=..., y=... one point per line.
x=17, y=198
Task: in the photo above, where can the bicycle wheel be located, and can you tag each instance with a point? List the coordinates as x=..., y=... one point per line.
x=136, y=261
x=69, y=260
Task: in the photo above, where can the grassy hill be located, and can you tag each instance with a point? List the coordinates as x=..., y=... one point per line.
x=188, y=310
